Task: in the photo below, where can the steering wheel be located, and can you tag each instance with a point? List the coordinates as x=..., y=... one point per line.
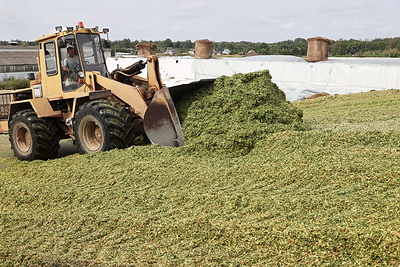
x=76, y=68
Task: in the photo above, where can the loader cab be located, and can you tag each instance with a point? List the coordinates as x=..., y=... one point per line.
x=86, y=49
x=65, y=56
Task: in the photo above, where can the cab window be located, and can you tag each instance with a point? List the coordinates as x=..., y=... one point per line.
x=50, y=58
x=70, y=62
x=91, y=51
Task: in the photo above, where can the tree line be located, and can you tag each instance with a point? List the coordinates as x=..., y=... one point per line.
x=295, y=47
x=381, y=47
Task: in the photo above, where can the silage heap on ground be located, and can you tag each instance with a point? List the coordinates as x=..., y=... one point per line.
x=325, y=198
x=231, y=115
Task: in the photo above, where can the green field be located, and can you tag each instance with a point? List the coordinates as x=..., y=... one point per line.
x=327, y=195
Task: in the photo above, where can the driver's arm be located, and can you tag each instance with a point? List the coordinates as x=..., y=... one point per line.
x=65, y=65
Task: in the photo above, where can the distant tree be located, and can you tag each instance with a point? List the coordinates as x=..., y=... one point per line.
x=168, y=43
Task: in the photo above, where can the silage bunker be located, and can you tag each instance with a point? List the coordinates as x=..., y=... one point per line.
x=234, y=112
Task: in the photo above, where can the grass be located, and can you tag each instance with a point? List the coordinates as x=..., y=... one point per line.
x=326, y=196
x=13, y=83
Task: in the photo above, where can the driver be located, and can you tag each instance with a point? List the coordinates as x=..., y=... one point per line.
x=71, y=61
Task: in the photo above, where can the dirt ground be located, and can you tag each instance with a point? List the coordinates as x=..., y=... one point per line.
x=66, y=147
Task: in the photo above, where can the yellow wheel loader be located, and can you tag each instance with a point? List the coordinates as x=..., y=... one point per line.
x=74, y=96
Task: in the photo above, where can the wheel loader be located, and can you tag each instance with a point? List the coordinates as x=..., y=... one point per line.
x=74, y=96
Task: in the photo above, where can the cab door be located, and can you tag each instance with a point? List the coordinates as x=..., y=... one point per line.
x=50, y=72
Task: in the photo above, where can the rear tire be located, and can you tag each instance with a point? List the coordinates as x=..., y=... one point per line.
x=99, y=126
x=32, y=137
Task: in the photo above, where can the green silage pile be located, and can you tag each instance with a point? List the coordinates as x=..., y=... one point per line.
x=232, y=114
x=299, y=198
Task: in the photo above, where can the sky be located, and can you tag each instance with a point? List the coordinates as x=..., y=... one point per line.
x=216, y=20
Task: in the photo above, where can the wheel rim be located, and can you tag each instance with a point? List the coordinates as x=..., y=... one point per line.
x=92, y=134
x=23, y=138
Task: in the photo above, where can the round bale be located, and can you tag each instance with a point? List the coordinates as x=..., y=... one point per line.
x=318, y=49
x=146, y=49
x=203, y=49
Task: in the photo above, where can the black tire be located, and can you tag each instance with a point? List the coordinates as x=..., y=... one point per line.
x=99, y=126
x=134, y=130
x=32, y=137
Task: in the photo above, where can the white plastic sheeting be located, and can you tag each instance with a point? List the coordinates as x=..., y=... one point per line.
x=295, y=76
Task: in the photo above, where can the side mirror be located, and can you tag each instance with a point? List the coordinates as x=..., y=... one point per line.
x=106, y=43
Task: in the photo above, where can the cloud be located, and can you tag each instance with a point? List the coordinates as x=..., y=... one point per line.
x=177, y=28
x=388, y=29
x=259, y=20
x=364, y=24
x=356, y=25
x=345, y=7
x=308, y=28
x=336, y=23
x=193, y=6
x=143, y=28
x=288, y=26
x=189, y=11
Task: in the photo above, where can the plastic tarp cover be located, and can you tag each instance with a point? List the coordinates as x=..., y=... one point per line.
x=293, y=75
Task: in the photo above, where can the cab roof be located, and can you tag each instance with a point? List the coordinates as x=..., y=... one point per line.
x=58, y=33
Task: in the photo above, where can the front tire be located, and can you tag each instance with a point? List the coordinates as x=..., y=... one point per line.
x=99, y=126
x=32, y=137
x=134, y=130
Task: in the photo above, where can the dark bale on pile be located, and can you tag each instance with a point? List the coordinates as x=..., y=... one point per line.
x=231, y=115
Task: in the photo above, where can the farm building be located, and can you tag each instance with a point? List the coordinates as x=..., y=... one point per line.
x=225, y=52
x=17, y=61
x=170, y=51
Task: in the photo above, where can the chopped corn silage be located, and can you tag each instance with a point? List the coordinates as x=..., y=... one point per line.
x=233, y=113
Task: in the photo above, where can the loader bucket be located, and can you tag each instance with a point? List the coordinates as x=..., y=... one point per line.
x=161, y=122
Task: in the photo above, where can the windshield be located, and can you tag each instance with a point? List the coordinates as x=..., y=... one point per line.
x=91, y=53
x=70, y=62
